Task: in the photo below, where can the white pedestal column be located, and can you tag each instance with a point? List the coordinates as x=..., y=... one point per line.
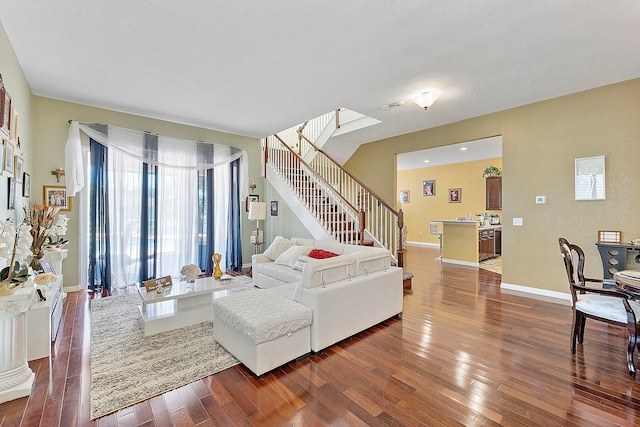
x=16, y=378
x=55, y=257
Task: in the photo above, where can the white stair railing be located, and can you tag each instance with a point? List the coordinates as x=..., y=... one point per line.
x=339, y=217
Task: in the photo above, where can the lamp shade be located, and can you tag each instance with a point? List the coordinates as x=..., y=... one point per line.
x=257, y=210
x=426, y=99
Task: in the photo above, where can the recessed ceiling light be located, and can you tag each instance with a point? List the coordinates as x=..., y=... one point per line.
x=463, y=149
x=426, y=161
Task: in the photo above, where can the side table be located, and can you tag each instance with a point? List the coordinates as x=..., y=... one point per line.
x=614, y=258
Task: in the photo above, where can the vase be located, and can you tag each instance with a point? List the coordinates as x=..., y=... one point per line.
x=217, y=273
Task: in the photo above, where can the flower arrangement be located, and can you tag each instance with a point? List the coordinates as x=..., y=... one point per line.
x=15, y=247
x=190, y=272
x=44, y=222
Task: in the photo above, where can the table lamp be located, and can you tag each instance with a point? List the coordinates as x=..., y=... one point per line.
x=257, y=212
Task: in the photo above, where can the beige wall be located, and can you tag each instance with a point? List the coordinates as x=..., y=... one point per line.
x=22, y=99
x=422, y=209
x=50, y=135
x=539, y=145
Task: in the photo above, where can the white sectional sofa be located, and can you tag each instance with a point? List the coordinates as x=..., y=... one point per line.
x=347, y=293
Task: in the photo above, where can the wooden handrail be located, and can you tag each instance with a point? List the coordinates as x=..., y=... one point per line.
x=362, y=184
x=315, y=174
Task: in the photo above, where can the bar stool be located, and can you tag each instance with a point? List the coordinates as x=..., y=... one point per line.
x=434, y=229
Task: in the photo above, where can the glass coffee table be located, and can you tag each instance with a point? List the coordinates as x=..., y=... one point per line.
x=183, y=304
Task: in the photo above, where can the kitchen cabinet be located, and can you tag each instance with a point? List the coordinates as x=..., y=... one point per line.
x=494, y=193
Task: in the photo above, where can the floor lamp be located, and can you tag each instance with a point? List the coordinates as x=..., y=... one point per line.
x=257, y=212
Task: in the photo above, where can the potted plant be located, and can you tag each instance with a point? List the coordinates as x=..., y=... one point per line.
x=491, y=171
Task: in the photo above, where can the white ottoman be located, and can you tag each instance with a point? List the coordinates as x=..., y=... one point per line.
x=262, y=329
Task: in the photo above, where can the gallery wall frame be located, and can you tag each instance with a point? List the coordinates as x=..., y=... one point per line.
x=5, y=110
x=26, y=185
x=11, y=193
x=18, y=168
x=455, y=195
x=56, y=196
x=9, y=150
x=274, y=208
x=590, y=178
x=405, y=196
x=429, y=187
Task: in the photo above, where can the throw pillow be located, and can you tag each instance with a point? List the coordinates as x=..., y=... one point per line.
x=278, y=247
x=301, y=262
x=290, y=256
x=321, y=254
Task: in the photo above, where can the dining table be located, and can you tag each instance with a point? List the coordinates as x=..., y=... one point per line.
x=628, y=280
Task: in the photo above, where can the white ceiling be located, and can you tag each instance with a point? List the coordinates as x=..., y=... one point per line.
x=480, y=149
x=255, y=68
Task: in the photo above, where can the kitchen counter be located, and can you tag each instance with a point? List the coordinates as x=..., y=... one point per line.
x=461, y=241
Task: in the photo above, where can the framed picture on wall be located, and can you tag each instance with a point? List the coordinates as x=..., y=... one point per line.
x=9, y=149
x=589, y=178
x=12, y=193
x=429, y=187
x=56, y=196
x=251, y=198
x=455, y=195
x=404, y=196
x=26, y=185
x=5, y=110
x=18, y=169
x=274, y=208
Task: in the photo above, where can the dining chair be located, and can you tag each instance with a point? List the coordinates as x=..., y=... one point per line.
x=612, y=306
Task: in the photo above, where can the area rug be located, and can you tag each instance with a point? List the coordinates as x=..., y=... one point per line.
x=492, y=264
x=127, y=367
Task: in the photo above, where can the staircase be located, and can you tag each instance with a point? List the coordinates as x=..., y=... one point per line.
x=332, y=203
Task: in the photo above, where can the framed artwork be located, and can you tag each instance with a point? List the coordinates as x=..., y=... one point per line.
x=12, y=193
x=274, y=208
x=18, y=169
x=429, y=187
x=26, y=185
x=589, y=178
x=56, y=196
x=404, y=196
x=5, y=110
x=455, y=195
x=8, y=156
x=251, y=198
x=13, y=125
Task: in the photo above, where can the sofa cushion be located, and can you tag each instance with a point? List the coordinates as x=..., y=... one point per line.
x=319, y=272
x=302, y=242
x=261, y=315
x=277, y=247
x=321, y=254
x=291, y=255
x=372, y=260
x=282, y=273
x=328, y=245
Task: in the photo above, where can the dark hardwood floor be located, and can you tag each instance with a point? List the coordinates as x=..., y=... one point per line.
x=463, y=353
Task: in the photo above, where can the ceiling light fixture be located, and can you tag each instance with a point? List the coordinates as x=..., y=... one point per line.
x=426, y=99
x=464, y=149
x=426, y=161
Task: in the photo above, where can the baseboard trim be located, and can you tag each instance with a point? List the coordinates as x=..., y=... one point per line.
x=457, y=262
x=553, y=296
x=430, y=245
x=67, y=289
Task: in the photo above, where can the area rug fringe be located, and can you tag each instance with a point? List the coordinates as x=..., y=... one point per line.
x=128, y=368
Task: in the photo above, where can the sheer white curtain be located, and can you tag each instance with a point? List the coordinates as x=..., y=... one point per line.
x=179, y=164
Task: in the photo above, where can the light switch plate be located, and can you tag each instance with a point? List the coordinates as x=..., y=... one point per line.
x=541, y=200
x=517, y=222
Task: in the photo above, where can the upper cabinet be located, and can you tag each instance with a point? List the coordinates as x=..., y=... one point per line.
x=494, y=193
